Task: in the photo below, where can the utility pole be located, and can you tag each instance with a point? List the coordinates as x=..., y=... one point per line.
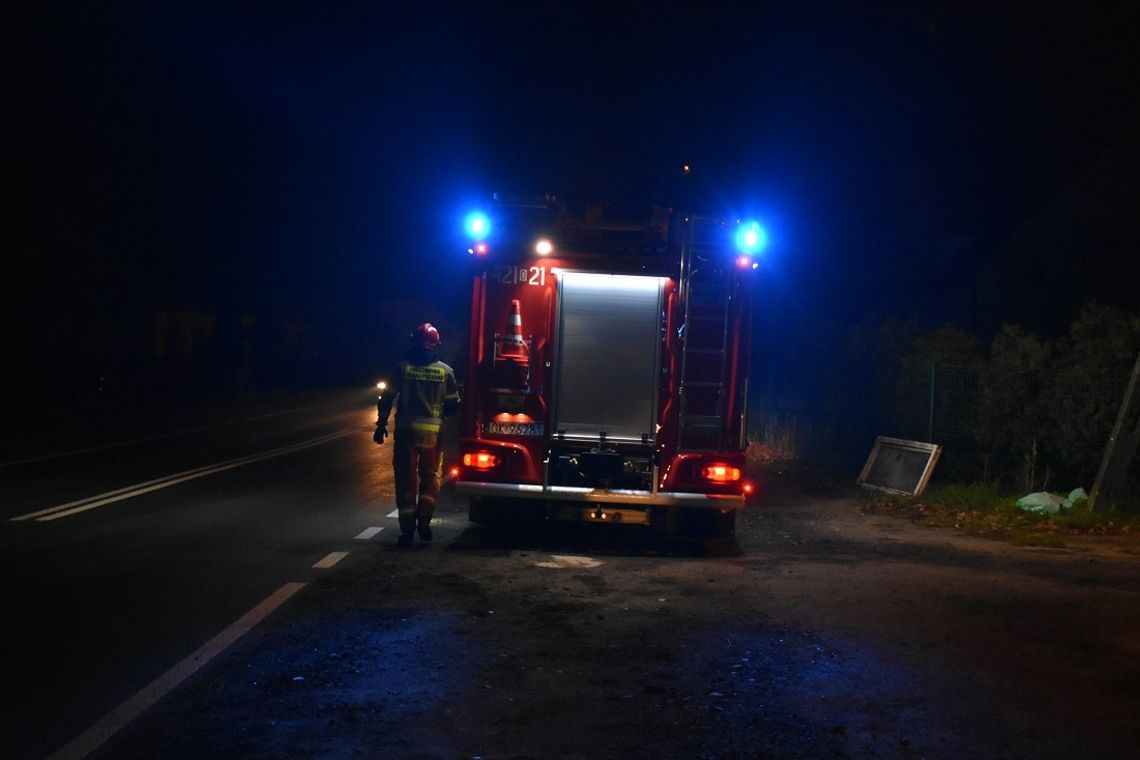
x=1113, y=473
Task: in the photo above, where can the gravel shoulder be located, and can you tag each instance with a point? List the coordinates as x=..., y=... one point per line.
x=817, y=631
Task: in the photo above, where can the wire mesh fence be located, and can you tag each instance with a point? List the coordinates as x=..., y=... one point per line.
x=1039, y=429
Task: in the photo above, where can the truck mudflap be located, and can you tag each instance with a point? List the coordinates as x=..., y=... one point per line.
x=600, y=495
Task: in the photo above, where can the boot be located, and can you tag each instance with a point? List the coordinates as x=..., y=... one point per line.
x=424, y=530
x=405, y=539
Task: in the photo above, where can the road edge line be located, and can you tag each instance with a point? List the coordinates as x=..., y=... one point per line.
x=113, y=722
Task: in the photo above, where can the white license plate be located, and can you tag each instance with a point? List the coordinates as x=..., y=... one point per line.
x=515, y=428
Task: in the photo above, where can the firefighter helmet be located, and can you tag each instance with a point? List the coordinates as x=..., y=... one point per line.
x=425, y=335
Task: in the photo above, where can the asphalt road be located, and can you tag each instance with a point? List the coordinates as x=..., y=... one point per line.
x=256, y=612
x=122, y=557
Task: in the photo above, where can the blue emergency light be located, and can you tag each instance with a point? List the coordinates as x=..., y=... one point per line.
x=477, y=225
x=751, y=238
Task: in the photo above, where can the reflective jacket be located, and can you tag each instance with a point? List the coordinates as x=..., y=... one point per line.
x=424, y=391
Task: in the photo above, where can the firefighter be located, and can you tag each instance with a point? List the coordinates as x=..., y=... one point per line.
x=424, y=391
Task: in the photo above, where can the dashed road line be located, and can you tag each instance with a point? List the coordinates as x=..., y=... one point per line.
x=367, y=533
x=329, y=560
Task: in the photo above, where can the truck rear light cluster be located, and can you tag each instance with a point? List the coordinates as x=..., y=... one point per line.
x=720, y=473
x=480, y=460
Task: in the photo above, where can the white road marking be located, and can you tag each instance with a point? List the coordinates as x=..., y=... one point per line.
x=114, y=721
x=367, y=533
x=565, y=561
x=330, y=559
x=394, y=513
x=110, y=497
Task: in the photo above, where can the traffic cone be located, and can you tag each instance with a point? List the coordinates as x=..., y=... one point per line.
x=513, y=341
x=512, y=364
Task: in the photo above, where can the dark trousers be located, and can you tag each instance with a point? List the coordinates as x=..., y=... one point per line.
x=417, y=460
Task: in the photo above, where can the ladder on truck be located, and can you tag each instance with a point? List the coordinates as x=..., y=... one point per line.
x=706, y=291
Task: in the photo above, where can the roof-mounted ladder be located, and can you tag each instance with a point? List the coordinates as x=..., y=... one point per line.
x=706, y=291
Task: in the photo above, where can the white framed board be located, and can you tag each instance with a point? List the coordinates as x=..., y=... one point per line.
x=899, y=466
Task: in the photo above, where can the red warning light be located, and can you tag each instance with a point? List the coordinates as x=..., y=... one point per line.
x=720, y=473
x=480, y=460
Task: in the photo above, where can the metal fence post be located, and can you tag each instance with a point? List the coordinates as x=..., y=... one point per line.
x=933, y=382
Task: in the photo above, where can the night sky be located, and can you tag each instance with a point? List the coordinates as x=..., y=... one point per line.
x=944, y=162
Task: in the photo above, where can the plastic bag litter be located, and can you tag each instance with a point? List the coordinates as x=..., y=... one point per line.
x=1045, y=503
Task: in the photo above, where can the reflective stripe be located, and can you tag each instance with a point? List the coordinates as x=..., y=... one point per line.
x=429, y=424
x=429, y=373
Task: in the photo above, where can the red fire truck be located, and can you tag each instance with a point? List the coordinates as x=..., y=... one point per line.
x=607, y=367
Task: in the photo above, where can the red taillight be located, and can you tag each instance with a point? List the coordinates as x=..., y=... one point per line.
x=747, y=488
x=480, y=460
x=721, y=473
x=454, y=472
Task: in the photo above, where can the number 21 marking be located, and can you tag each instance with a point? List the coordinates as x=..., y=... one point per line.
x=521, y=275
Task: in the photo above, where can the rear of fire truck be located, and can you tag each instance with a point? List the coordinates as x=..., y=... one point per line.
x=607, y=371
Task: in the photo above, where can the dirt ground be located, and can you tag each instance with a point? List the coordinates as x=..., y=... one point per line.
x=816, y=631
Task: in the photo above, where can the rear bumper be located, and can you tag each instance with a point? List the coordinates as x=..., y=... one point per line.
x=599, y=495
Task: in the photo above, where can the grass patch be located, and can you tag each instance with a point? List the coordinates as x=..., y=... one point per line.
x=982, y=510
x=1080, y=517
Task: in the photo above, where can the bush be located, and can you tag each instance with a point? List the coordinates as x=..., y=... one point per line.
x=981, y=496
